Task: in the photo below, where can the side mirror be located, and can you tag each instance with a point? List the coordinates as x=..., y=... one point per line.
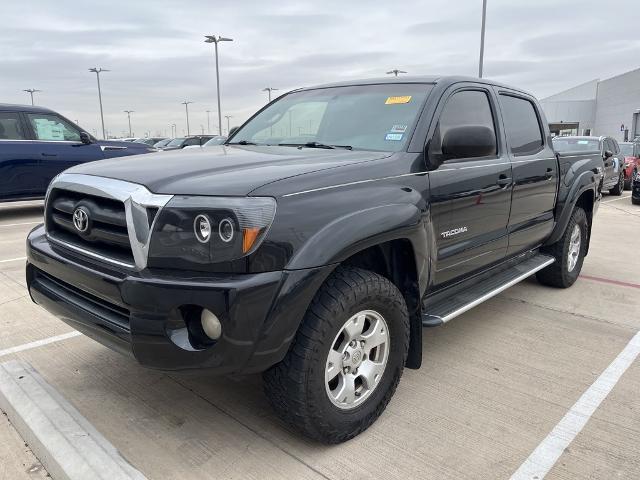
x=608, y=154
x=468, y=141
x=85, y=138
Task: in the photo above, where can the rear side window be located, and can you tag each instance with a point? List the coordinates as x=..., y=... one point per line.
x=468, y=107
x=10, y=127
x=521, y=124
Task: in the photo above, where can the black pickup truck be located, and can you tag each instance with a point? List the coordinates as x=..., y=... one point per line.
x=317, y=242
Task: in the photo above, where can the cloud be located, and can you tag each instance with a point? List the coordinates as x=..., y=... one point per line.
x=157, y=56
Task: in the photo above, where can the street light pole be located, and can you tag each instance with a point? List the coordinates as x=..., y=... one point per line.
x=208, y=123
x=186, y=109
x=269, y=89
x=484, y=18
x=31, y=91
x=129, y=112
x=395, y=71
x=227, y=117
x=174, y=130
x=97, y=71
x=215, y=40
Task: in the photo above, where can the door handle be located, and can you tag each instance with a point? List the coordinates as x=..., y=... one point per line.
x=49, y=154
x=549, y=173
x=504, y=180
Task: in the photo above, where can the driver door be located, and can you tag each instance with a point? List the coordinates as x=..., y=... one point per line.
x=57, y=141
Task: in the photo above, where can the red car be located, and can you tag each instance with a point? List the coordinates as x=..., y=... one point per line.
x=631, y=153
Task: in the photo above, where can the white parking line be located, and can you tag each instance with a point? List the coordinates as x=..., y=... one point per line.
x=38, y=343
x=13, y=259
x=626, y=197
x=544, y=457
x=21, y=223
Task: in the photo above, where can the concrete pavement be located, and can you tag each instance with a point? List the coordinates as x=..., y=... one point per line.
x=494, y=383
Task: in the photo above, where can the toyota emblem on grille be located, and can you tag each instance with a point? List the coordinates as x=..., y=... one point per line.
x=81, y=219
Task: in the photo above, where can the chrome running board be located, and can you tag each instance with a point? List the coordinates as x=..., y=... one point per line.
x=458, y=303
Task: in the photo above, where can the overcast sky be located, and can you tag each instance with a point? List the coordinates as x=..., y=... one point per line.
x=157, y=57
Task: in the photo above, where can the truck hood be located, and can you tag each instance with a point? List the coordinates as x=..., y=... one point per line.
x=221, y=170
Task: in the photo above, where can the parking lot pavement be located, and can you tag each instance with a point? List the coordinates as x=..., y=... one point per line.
x=494, y=383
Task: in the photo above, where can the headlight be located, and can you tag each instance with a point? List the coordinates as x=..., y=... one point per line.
x=206, y=230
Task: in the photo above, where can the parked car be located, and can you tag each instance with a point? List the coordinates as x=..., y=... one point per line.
x=215, y=141
x=36, y=144
x=314, y=247
x=181, y=142
x=162, y=143
x=631, y=153
x=612, y=158
x=151, y=141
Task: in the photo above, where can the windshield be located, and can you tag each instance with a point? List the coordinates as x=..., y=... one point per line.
x=569, y=144
x=368, y=117
x=626, y=149
x=176, y=142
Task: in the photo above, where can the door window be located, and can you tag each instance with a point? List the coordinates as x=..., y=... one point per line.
x=53, y=128
x=468, y=107
x=10, y=127
x=522, y=125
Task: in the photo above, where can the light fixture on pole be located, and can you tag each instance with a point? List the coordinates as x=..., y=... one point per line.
x=395, y=72
x=129, y=112
x=31, y=91
x=484, y=18
x=228, y=117
x=215, y=40
x=97, y=71
x=269, y=89
x=186, y=109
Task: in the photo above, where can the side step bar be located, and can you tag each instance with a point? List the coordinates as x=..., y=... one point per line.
x=458, y=303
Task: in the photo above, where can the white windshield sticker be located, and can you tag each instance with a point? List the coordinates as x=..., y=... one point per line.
x=393, y=136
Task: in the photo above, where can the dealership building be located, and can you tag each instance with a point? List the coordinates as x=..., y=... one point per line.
x=599, y=107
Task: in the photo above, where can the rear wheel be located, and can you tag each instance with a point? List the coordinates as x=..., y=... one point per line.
x=569, y=252
x=618, y=189
x=346, y=359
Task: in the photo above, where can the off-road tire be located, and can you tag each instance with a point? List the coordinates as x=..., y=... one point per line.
x=619, y=188
x=557, y=274
x=296, y=386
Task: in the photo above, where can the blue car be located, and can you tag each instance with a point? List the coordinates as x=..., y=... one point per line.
x=36, y=144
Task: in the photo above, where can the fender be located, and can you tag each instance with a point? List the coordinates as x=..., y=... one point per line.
x=583, y=182
x=356, y=231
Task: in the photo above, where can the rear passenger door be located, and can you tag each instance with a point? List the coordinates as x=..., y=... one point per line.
x=18, y=159
x=535, y=171
x=470, y=197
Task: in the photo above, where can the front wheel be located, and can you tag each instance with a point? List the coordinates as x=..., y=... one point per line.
x=569, y=252
x=346, y=359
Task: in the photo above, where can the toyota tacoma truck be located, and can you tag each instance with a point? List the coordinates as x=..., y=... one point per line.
x=319, y=240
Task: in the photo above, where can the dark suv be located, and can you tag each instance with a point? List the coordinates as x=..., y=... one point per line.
x=317, y=242
x=36, y=144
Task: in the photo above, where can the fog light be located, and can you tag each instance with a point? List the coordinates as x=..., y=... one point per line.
x=210, y=324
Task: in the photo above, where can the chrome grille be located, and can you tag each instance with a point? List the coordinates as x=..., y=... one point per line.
x=105, y=219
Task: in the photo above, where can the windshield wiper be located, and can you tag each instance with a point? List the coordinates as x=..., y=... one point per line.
x=316, y=145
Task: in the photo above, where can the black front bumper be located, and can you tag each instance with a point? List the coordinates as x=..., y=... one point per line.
x=139, y=313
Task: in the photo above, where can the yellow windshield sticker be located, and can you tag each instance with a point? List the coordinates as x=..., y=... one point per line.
x=396, y=100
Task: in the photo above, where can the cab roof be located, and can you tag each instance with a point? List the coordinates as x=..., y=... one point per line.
x=432, y=79
x=12, y=107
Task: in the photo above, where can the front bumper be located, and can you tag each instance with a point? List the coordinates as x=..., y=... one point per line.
x=138, y=314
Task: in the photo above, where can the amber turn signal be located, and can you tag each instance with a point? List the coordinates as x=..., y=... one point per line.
x=249, y=236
